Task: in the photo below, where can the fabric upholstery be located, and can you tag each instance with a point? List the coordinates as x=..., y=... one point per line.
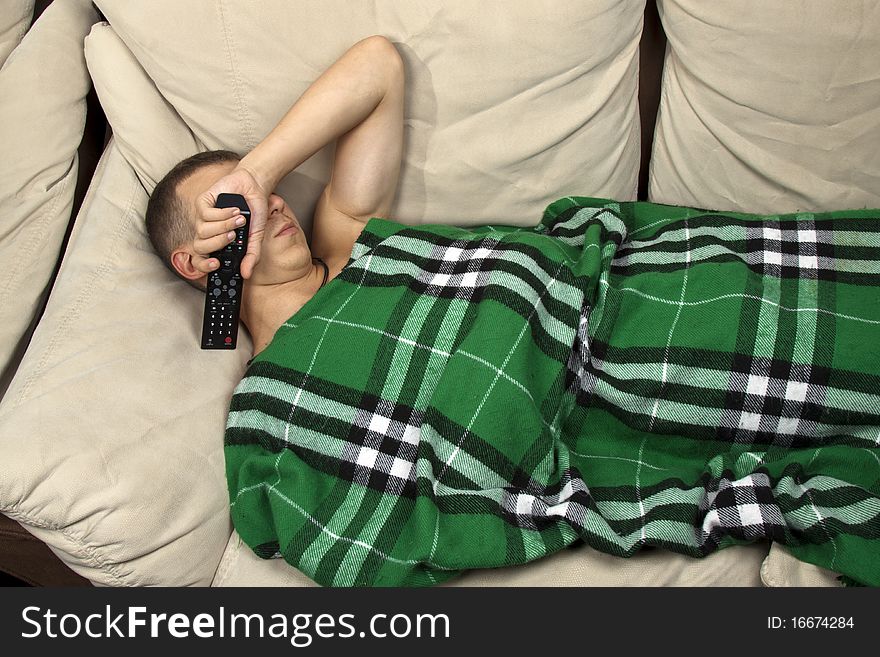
x=769, y=107
x=110, y=438
x=149, y=134
x=780, y=568
x=38, y=183
x=562, y=80
x=14, y=22
x=576, y=566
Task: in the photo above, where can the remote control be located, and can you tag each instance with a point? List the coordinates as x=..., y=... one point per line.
x=225, y=284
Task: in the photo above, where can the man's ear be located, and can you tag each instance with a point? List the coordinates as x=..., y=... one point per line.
x=182, y=261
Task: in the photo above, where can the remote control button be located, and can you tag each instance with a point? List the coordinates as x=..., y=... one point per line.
x=231, y=293
x=233, y=283
x=228, y=340
x=216, y=292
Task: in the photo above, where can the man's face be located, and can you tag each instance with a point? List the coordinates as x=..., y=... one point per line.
x=284, y=250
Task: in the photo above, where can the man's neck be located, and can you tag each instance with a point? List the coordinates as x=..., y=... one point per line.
x=266, y=307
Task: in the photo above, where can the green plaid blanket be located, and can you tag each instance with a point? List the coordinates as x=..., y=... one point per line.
x=626, y=374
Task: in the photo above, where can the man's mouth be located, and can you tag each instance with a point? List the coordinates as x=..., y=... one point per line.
x=286, y=229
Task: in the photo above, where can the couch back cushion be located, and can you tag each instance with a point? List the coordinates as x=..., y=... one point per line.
x=509, y=104
x=769, y=106
x=147, y=131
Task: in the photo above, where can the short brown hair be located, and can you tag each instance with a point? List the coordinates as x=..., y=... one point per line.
x=168, y=226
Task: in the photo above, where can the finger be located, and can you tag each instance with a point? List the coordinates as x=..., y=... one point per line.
x=205, y=265
x=205, y=247
x=208, y=229
x=217, y=214
x=259, y=210
x=247, y=265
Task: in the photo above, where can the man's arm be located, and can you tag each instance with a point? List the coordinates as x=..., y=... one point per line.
x=359, y=101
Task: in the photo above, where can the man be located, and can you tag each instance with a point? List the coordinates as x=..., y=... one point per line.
x=358, y=102
x=627, y=374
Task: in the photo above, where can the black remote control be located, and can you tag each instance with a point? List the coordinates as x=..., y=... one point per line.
x=225, y=284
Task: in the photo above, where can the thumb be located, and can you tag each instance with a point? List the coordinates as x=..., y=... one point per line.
x=252, y=256
x=259, y=209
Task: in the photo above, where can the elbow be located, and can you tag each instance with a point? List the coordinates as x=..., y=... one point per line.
x=385, y=54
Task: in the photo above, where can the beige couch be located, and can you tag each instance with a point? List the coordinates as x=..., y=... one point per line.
x=111, y=429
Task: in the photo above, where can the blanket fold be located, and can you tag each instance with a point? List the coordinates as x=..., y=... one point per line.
x=626, y=374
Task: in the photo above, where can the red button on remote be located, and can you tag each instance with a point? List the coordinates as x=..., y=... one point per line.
x=228, y=340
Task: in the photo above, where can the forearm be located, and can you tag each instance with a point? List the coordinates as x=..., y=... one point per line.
x=341, y=99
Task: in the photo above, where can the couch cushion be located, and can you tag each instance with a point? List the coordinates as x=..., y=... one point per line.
x=149, y=134
x=110, y=435
x=15, y=20
x=576, y=566
x=507, y=108
x=769, y=107
x=42, y=116
x=780, y=568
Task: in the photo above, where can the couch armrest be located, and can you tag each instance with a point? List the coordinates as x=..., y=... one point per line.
x=22, y=555
x=44, y=83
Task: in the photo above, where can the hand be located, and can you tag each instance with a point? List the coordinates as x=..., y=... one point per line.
x=216, y=224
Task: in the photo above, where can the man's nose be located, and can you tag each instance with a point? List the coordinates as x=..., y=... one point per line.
x=276, y=203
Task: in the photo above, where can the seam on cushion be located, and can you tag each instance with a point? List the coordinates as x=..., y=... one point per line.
x=86, y=290
x=40, y=235
x=247, y=131
x=81, y=550
x=766, y=576
x=224, y=567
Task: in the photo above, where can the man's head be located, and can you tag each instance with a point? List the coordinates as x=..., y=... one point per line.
x=172, y=216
